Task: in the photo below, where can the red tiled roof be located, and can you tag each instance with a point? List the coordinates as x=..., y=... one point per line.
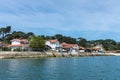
x=81, y=48
x=21, y=40
x=96, y=48
x=66, y=45
x=18, y=45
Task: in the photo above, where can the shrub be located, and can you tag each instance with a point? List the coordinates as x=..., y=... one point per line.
x=17, y=49
x=6, y=49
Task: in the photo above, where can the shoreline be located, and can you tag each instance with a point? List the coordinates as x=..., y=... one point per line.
x=15, y=55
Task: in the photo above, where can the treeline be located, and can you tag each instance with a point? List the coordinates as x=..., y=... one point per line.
x=108, y=44
x=60, y=38
x=6, y=35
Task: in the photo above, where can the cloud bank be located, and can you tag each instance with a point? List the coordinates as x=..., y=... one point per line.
x=69, y=17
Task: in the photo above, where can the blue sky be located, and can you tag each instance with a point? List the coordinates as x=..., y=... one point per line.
x=91, y=19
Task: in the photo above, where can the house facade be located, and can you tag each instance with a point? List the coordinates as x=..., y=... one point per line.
x=98, y=48
x=21, y=44
x=54, y=44
x=81, y=49
x=72, y=48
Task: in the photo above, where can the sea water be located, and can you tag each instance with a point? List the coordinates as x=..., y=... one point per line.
x=80, y=68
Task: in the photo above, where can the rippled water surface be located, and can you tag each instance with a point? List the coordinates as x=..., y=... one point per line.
x=83, y=68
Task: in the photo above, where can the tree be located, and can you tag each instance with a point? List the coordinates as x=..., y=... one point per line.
x=8, y=29
x=30, y=34
x=82, y=42
x=4, y=31
x=8, y=38
x=66, y=39
x=48, y=37
x=59, y=37
x=69, y=40
x=109, y=44
x=37, y=43
x=19, y=34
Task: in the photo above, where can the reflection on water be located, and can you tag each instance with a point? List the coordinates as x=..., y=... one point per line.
x=85, y=68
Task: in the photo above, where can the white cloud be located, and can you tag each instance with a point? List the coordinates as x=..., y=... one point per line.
x=62, y=15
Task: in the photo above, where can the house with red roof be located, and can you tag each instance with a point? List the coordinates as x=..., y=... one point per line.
x=81, y=49
x=72, y=48
x=98, y=48
x=54, y=44
x=19, y=44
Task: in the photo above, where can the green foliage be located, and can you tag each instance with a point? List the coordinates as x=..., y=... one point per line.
x=4, y=31
x=17, y=49
x=18, y=34
x=69, y=40
x=108, y=44
x=30, y=34
x=61, y=38
x=25, y=50
x=6, y=49
x=82, y=42
x=37, y=42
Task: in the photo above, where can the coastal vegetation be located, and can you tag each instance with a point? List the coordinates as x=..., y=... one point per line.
x=37, y=42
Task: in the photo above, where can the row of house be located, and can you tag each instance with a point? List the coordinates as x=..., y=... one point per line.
x=72, y=48
x=54, y=44
x=16, y=44
x=19, y=43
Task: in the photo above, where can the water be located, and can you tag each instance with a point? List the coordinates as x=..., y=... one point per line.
x=83, y=68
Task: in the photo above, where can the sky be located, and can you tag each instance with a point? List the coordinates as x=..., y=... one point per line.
x=91, y=19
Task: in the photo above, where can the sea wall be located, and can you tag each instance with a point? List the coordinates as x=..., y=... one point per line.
x=7, y=55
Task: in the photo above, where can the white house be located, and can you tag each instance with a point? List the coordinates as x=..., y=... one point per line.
x=98, y=48
x=81, y=49
x=18, y=43
x=54, y=44
x=72, y=48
